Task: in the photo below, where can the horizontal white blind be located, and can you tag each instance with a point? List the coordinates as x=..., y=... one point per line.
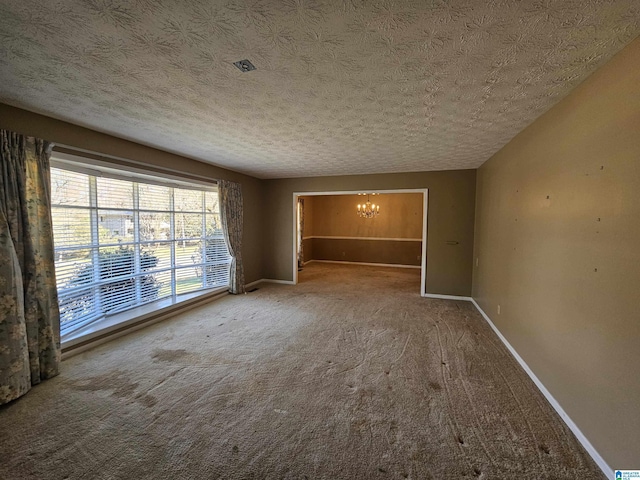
x=123, y=242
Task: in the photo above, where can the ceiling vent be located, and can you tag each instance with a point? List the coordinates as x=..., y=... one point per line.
x=244, y=65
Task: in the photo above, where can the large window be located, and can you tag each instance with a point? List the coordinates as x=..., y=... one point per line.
x=123, y=242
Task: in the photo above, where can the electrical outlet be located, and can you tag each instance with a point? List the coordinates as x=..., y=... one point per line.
x=498, y=309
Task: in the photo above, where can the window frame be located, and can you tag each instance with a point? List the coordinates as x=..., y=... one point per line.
x=80, y=165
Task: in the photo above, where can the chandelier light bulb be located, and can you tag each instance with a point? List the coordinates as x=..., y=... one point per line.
x=368, y=209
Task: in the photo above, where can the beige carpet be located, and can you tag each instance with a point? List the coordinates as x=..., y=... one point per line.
x=349, y=375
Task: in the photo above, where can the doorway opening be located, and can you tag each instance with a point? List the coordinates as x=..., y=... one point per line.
x=327, y=228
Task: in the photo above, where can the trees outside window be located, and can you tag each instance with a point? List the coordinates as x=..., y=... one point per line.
x=121, y=243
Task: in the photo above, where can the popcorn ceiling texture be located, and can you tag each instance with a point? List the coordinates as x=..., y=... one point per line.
x=342, y=87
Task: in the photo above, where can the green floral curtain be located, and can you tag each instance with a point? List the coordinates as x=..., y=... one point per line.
x=231, y=218
x=29, y=314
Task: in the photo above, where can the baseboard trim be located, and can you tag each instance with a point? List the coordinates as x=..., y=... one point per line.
x=268, y=280
x=247, y=286
x=281, y=282
x=606, y=469
x=447, y=297
x=393, y=265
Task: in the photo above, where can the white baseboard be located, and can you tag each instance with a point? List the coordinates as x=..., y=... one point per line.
x=268, y=280
x=446, y=297
x=394, y=265
x=282, y=282
x=606, y=469
x=247, y=286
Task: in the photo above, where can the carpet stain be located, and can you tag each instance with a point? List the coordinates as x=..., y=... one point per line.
x=147, y=400
x=116, y=381
x=165, y=355
x=120, y=385
x=298, y=384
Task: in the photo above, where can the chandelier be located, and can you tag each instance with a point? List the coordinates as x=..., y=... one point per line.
x=368, y=209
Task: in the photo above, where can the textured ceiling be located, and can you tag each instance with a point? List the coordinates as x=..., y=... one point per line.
x=341, y=87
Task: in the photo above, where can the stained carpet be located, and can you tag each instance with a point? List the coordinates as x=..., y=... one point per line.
x=348, y=375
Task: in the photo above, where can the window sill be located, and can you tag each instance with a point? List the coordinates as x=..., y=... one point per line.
x=120, y=324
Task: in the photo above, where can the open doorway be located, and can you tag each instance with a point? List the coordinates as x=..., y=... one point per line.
x=397, y=239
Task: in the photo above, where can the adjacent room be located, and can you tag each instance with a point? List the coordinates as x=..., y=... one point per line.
x=342, y=228
x=251, y=239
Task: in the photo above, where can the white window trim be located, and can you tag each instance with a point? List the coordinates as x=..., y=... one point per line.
x=94, y=166
x=130, y=317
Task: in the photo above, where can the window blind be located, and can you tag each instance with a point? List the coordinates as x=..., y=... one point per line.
x=122, y=241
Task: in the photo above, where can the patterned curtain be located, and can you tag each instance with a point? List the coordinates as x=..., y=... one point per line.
x=231, y=218
x=300, y=233
x=29, y=314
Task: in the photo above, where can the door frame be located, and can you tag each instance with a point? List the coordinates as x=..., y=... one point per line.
x=425, y=212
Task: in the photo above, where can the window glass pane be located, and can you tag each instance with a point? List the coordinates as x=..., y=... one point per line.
x=116, y=249
x=188, y=225
x=155, y=286
x=71, y=226
x=214, y=226
x=162, y=253
x=187, y=280
x=212, y=204
x=216, y=251
x=73, y=268
x=77, y=307
x=217, y=260
x=69, y=188
x=155, y=226
x=118, y=296
x=115, y=226
x=217, y=275
x=115, y=262
x=114, y=193
x=148, y=259
x=188, y=255
x=154, y=197
x=187, y=200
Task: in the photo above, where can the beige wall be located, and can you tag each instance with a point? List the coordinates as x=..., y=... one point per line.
x=450, y=218
x=335, y=216
x=558, y=245
x=69, y=135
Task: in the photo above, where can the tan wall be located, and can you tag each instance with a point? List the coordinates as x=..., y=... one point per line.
x=335, y=216
x=450, y=218
x=67, y=134
x=557, y=240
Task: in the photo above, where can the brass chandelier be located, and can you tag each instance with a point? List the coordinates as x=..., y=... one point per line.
x=368, y=209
